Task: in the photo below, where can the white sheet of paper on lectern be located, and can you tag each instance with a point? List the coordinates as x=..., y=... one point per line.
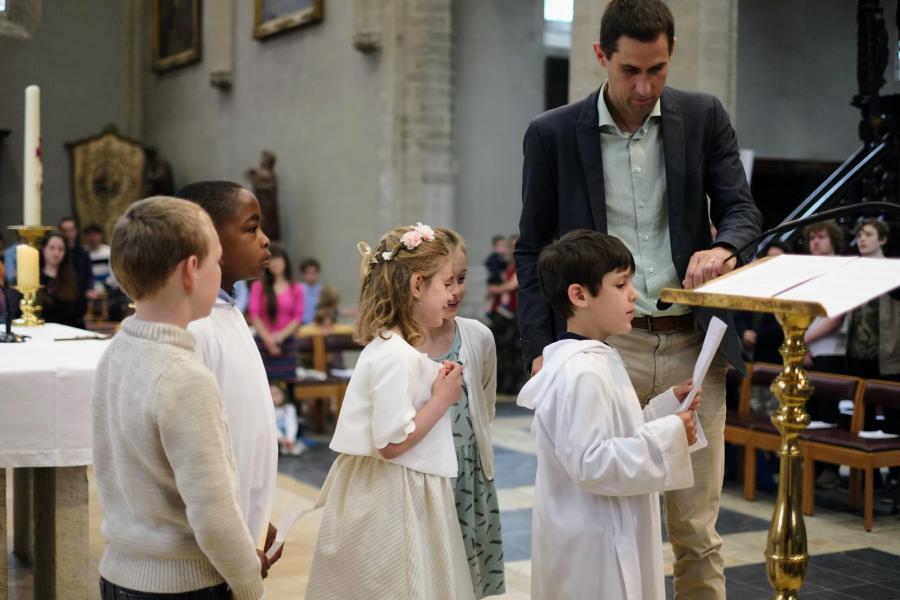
x=838, y=283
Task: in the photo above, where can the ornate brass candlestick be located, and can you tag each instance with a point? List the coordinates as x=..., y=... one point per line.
x=786, y=555
x=29, y=305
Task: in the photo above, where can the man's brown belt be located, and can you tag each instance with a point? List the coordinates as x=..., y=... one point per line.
x=664, y=324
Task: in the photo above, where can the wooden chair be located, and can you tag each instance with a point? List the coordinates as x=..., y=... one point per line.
x=737, y=420
x=847, y=448
x=764, y=436
x=320, y=391
x=758, y=374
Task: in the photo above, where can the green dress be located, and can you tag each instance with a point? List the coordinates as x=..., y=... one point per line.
x=476, y=498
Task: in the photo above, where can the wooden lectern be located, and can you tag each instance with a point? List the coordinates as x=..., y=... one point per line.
x=796, y=289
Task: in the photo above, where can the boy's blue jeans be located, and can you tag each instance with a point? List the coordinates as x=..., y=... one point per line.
x=110, y=591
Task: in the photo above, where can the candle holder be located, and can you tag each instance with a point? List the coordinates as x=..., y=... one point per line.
x=29, y=305
x=30, y=308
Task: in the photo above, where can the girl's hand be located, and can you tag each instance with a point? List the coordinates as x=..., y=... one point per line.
x=690, y=429
x=448, y=384
x=273, y=349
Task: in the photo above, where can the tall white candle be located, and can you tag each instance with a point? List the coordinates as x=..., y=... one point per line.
x=34, y=168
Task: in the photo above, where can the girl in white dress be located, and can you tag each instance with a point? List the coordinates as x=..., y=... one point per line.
x=390, y=527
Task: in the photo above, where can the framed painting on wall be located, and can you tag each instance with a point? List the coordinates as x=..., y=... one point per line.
x=275, y=16
x=176, y=33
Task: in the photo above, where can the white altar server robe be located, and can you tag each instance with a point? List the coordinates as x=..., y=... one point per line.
x=601, y=463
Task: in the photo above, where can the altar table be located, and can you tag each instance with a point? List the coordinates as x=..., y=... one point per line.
x=45, y=441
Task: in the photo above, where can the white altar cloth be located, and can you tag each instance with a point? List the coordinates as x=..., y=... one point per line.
x=45, y=397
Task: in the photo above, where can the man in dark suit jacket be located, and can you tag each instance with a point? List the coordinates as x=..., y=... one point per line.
x=638, y=160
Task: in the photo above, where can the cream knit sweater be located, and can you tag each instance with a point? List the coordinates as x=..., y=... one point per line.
x=165, y=470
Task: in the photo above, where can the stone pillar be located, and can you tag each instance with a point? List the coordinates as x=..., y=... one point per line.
x=705, y=57
x=61, y=554
x=417, y=181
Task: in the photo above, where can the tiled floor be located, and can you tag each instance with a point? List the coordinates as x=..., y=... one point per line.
x=846, y=561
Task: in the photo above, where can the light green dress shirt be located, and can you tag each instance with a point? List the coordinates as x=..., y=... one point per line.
x=634, y=178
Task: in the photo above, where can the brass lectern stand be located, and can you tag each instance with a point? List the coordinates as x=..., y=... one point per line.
x=786, y=554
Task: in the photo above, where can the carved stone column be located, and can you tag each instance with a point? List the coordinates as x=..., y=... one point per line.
x=417, y=182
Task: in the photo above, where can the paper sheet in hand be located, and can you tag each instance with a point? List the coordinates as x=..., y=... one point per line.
x=284, y=527
x=714, y=334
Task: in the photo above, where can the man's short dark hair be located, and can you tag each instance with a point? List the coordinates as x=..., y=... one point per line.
x=218, y=198
x=581, y=256
x=310, y=262
x=93, y=228
x=642, y=20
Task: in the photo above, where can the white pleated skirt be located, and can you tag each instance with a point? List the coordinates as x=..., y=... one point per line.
x=387, y=532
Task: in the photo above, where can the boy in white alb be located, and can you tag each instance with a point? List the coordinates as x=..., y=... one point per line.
x=226, y=346
x=601, y=460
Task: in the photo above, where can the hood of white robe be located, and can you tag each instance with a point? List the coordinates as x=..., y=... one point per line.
x=555, y=356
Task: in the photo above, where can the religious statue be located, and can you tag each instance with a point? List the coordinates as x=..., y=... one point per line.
x=265, y=187
x=157, y=175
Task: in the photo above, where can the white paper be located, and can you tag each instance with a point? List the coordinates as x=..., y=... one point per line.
x=838, y=283
x=877, y=435
x=850, y=285
x=714, y=334
x=772, y=277
x=820, y=425
x=284, y=527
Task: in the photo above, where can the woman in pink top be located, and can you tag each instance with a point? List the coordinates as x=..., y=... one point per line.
x=276, y=311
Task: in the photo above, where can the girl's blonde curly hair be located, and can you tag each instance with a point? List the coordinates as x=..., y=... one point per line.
x=386, y=271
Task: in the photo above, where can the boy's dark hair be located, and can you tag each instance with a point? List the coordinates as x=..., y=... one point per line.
x=218, y=198
x=581, y=256
x=310, y=262
x=497, y=238
x=642, y=20
x=882, y=228
x=93, y=228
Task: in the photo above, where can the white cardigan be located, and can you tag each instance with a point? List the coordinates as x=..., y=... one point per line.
x=479, y=357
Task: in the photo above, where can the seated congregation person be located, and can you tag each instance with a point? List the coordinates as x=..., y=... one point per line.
x=873, y=340
x=164, y=467
x=62, y=297
x=761, y=338
x=287, y=424
x=80, y=259
x=276, y=311
x=310, y=271
x=98, y=252
x=826, y=339
x=502, y=319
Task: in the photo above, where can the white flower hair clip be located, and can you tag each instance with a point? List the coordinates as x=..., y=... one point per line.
x=387, y=255
x=417, y=234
